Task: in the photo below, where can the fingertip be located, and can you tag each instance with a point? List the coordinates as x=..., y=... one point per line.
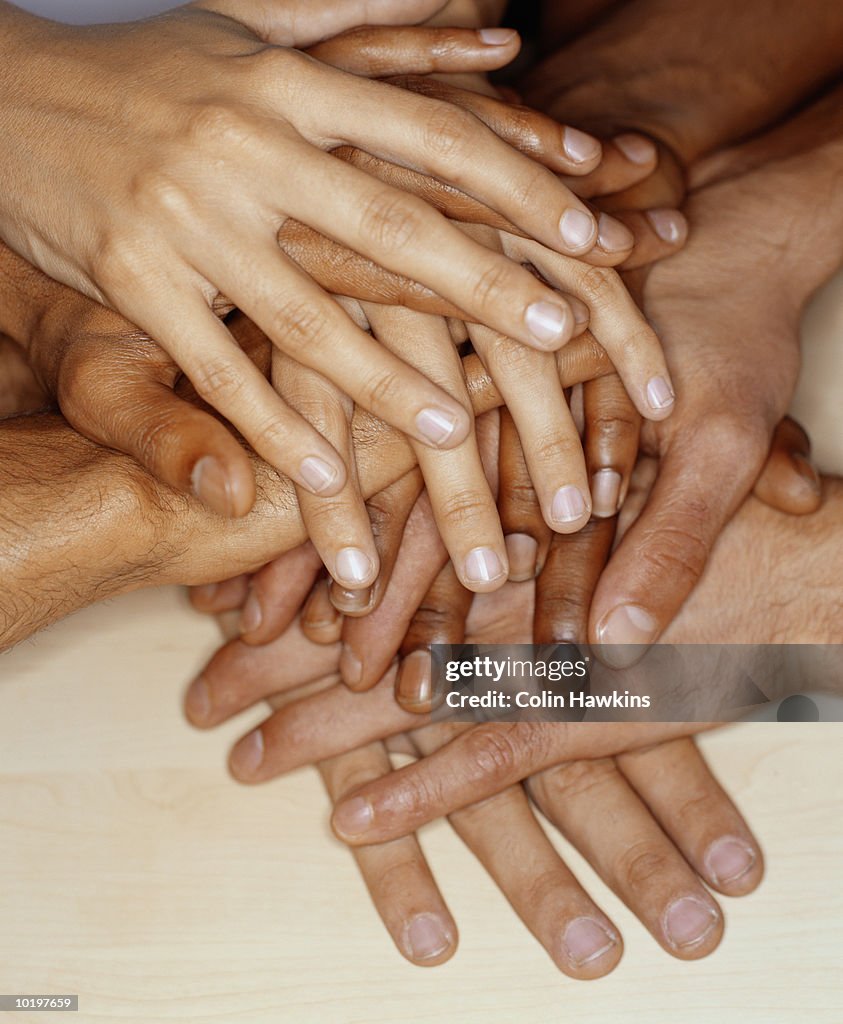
x=550, y=325
x=733, y=865
x=227, y=488
x=322, y=477
x=660, y=398
x=428, y=939
x=582, y=150
x=443, y=428
x=246, y=757
x=638, y=149
x=352, y=819
x=670, y=225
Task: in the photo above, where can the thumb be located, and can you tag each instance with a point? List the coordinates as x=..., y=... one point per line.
x=305, y=22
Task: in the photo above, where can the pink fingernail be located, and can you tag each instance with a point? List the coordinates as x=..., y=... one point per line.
x=549, y=323
x=624, y=633
x=729, y=859
x=579, y=146
x=212, y=487
x=483, y=566
x=247, y=755
x=636, y=148
x=436, y=426
x=587, y=940
x=251, y=617
x=606, y=493
x=688, y=922
x=578, y=230
x=353, y=817
x=522, y=551
x=612, y=236
x=660, y=394
x=197, y=701
x=317, y=474
x=568, y=505
x=354, y=567
x=351, y=667
x=670, y=225
x=426, y=937
x=497, y=36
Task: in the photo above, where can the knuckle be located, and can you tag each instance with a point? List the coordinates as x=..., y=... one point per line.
x=613, y=427
x=220, y=126
x=299, y=324
x=597, y=285
x=383, y=390
x=512, y=358
x=694, y=808
x=553, y=450
x=217, y=381
x=531, y=192
x=118, y=262
x=494, y=752
x=640, y=865
x=576, y=779
x=391, y=222
x=461, y=507
x=448, y=131
x=493, y=285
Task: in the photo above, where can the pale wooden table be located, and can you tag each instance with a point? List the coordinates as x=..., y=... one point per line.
x=137, y=874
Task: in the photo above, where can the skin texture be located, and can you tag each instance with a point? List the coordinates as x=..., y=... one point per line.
x=184, y=152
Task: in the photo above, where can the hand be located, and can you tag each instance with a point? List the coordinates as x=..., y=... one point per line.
x=150, y=198
x=631, y=817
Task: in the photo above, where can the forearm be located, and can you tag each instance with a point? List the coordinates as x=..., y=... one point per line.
x=696, y=76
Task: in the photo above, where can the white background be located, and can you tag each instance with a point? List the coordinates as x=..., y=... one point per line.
x=83, y=12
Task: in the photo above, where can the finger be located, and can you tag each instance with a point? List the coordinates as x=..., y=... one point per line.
x=388, y=514
x=340, y=271
x=405, y=235
x=566, y=585
x=316, y=727
x=627, y=159
x=658, y=234
x=664, y=552
x=675, y=783
x=276, y=594
x=338, y=526
x=137, y=412
x=549, y=438
x=612, y=433
x=321, y=621
x=459, y=493
x=226, y=379
x=789, y=481
x=616, y=322
x=396, y=874
x=302, y=321
x=217, y=598
x=239, y=675
x=599, y=812
x=578, y=936
x=480, y=762
x=370, y=644
x=439, y=619
x=563, y=149
x=377, y=51
x=527, y=534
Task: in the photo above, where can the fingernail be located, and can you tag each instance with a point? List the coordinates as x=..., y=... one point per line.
x=353, y=816
x=212, y=486
x=350, y=602
x=247, y=755
x=317, y=474
x=688, y=921
x=483, y=566
x=426, y=937
x=548, y=322
x=605, y=493
x=568, y=505
x=414, y=687
x=197, y=701
x=206, y=593
x=660, y=394
x=252, y=615
x=579, y=146
x=807, y=470
x=622, y=632
x=612, y=236
x=435, y=426
x=582, y=314
x=496, y=36
x=351, y=667
x=636, y=148
x=353, y=566
x=578, y=229
x=522, y=550
x=587, y=940
x=669, y=225
x=729, y=859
